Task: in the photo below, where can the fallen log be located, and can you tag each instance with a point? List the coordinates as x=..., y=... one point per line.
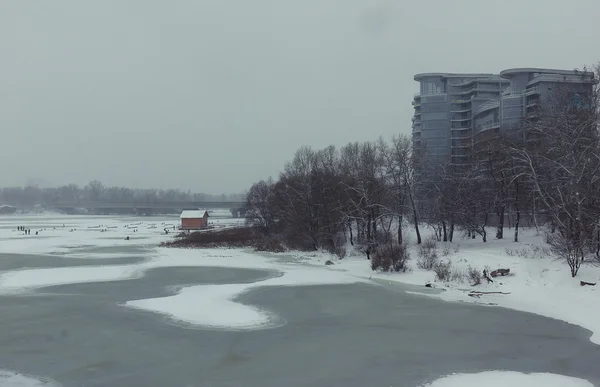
x=478, y=294
x=481, y=292
x=499, y=272
x=583, y=283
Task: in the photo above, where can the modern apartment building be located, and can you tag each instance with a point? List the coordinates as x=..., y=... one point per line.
x=529, y=89
x=454, y=112
x=443, y=118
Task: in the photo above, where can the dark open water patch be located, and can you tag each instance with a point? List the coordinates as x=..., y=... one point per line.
x=22, y=261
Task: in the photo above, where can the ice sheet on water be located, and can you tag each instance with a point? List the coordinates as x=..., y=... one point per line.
x=15, y=379
x=215, y=306
x=508, y=378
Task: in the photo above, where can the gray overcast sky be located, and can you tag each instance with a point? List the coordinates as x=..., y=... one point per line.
x=212, y=95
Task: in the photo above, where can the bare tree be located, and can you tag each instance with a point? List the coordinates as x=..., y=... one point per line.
x=561, y=160
x=259, y=206
x=395, y=158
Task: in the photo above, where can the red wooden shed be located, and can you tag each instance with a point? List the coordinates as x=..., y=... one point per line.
x=194, y=220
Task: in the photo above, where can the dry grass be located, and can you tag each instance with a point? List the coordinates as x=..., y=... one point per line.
x=239, y=237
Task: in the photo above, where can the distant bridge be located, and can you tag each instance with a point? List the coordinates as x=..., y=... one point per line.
x=236, y=208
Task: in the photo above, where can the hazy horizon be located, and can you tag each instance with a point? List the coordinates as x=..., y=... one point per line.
x=211, y=96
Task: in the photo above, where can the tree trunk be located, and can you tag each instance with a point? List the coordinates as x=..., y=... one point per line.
x=415, y=215
x=417, y=231
x=451, y=233
x=416, y=221
x=374, y=222
x=517, y=213
x=598, y=248
x=369, y=236
x=484, y=234
x=351, y=236
x=445, y=231
x=400, y=229
x=500, y=230
x=598, y=245
x=537, y=228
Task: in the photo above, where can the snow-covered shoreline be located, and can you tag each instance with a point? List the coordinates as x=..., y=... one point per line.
x=538, y=282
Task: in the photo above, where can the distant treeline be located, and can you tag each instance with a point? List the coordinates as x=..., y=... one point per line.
x=31, y=195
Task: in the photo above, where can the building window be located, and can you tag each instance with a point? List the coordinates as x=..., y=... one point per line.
x=432, y=88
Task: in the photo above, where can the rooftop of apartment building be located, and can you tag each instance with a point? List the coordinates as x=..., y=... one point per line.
x=534, y=71
x=420, y=76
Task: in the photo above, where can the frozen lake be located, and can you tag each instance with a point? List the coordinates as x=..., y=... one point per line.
x=61, y=323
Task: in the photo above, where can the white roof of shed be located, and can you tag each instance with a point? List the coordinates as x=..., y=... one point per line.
x=192, y=214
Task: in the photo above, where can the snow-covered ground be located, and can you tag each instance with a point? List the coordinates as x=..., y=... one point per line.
x=68, y=234
x=538, y=282
x=506, y=378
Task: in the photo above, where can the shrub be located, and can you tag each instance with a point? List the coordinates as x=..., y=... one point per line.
x=428, y=255
x=474, y=276
x=340, y=251
x=570, y=249
x=539, y=251
x=338, y=245
x=270, y=244
x=390, y=256
x=457, y=275
x=531, y=252
x=384, y=236
x=446, y=250
x=230, y=237
x=442, y=270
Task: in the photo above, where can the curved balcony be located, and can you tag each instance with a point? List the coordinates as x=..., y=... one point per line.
x=532, y=90
x=487, y=106
x=458, y=128
x=458, y=119
x=491, y=125
x=461, y=110
x=465, y=92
